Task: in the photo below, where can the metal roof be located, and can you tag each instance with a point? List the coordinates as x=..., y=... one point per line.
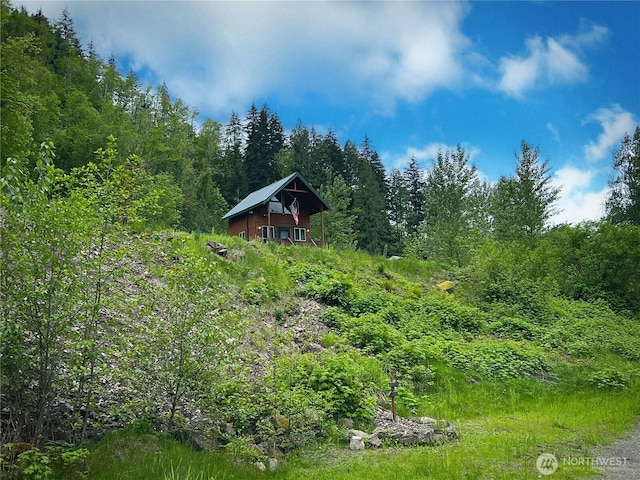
x=262, y=196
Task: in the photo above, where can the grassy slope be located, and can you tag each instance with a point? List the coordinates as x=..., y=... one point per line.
x=505, y=420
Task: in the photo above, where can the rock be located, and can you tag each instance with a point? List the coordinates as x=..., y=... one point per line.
x=358, y=433
x=217, y=248
x=273, y=464
x=236, y=255
x=356, y=443
x=227, y=428
x=261, y=466
x=446, y=286
x=424, y=420
x=279, y=421
x=414, y=431
x=262, y=448
x=374, y=441
x=395, y=257
x=313, y=348
x=347, y=422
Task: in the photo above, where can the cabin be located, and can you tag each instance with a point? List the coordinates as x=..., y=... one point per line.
x=280, y=212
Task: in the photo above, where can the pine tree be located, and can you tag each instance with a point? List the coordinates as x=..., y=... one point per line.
x=233, y=158
x=370, y=203
x=300, y=147
x=623, y=203
x=523, y=204
x=415, y=186
x=265, y=138
x=333, y=159
x=398, y=203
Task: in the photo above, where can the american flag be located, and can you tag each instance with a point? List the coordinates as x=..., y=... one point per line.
x=294, y=210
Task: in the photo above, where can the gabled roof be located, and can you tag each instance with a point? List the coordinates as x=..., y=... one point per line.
x=262, y=196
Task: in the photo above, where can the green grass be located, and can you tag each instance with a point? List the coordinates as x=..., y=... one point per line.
x=129, y=455
x=501, y=435
x=503, y=428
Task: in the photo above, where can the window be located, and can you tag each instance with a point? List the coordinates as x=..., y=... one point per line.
x=300, y=234
x=242, y=234
x=264, y=232
x=276, y=206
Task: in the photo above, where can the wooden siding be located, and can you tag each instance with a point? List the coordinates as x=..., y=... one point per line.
x=251, y=224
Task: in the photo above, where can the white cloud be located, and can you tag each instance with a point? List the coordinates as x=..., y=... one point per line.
x=383, y=52
x=424, y=155
x=520, y=73
x=550, y=61
x=578, y=200
x=562, y=65
x=590, y=34
x=554, y=132
x=615, y=122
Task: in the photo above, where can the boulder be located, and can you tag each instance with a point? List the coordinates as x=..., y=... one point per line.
x=356, y=443
x=358, y=433
x=374, y=441
x=313, y=348
x=217, y=248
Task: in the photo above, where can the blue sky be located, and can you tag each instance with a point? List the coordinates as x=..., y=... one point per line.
x=412, y=76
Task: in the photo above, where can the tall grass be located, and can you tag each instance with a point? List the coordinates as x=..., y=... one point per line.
x=129, y=455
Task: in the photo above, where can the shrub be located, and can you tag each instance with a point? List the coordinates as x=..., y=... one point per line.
x=410, y=361
x=371, y=333
x=323, y=285
x=497, y=359
x=334, y=317
x=345, y=381
x=330, y=339
x=442, y=309
x=513, y=327
x=608, y=378
x=372, y=300
x=258, y=291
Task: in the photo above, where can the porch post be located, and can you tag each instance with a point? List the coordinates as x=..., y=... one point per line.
x=268, y=221
x=322, y=222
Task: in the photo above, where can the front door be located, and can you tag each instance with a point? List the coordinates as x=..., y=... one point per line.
x=284, y=233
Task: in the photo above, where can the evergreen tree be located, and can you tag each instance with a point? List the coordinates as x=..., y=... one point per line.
x=300, y=148
x=351, y=158
x=265, y=138
x=338, y=220
x=398, y=202
x=370, y=204
x=318, y=163
x=233, y=158
x=623, y=202
x=523, y=204
x=333, y=159
x=415, y=186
